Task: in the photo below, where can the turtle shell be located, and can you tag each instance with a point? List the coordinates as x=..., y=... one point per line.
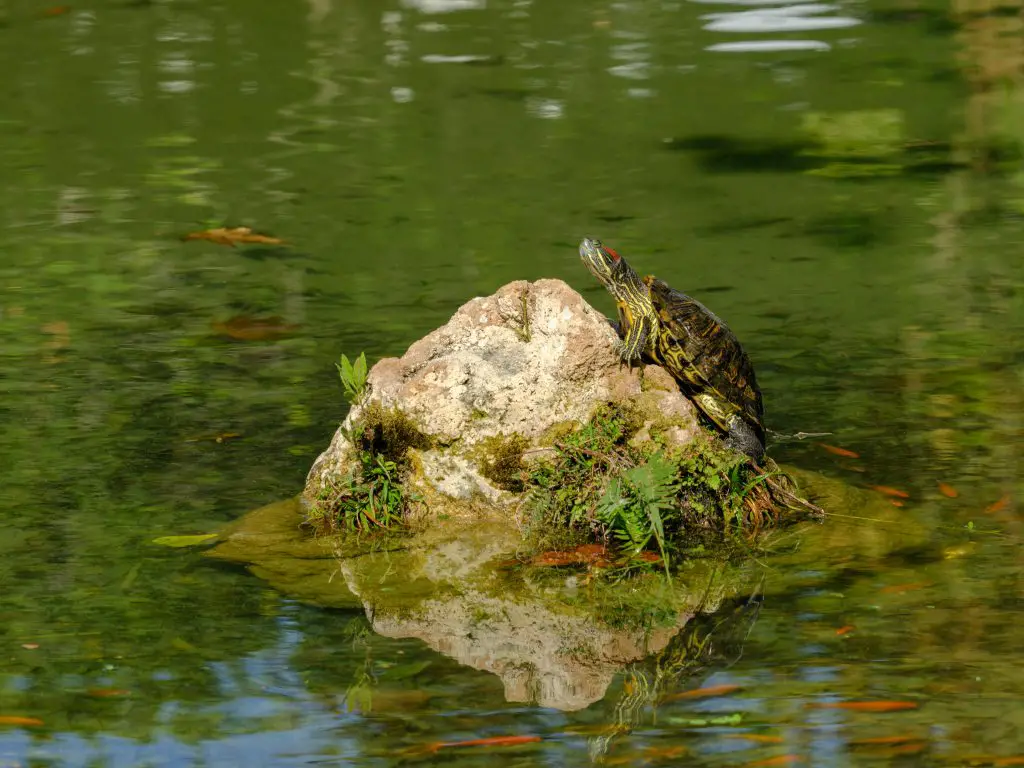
x=700, y=351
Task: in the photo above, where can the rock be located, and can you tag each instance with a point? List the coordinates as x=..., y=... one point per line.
x=492, y=373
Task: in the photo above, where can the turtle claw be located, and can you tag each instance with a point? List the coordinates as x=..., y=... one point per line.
x=625, y=358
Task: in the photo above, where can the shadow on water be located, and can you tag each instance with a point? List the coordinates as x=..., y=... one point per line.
x=730, y=154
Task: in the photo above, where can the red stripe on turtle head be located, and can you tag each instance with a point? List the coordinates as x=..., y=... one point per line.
x=611, y=252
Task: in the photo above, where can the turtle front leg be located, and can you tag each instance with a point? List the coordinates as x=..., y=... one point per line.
x=633, y=344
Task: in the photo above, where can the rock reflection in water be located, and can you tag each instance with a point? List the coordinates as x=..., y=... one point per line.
x=551, y=641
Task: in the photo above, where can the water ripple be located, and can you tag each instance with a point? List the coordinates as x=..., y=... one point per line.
x=796, y=17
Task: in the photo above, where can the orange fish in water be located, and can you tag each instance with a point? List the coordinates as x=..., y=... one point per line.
x=948, y=491
x=493, y=741
x=885, y=740
x=837, y=451
x=896, y=503
x=780, y=760
x=108, y=693
x=998, y=506
x=757, y=738
x=19, y=720
x=242, y=328
x=232, y=236
x=910, y=748
x=704, y=693
x=889, y=491
x=845, y=630
x=865, y=706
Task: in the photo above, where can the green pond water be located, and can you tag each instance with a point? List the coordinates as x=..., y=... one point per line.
x=854, y=208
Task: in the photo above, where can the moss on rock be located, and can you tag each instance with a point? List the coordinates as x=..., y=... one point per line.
x=387, y=432
x=500, y=460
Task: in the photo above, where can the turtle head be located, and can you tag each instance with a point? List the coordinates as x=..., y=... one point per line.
x=605, y=264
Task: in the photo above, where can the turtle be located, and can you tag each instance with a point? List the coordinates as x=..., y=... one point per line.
x=668, y=328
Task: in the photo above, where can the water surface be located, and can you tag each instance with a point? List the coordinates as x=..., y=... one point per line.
x=842, y=183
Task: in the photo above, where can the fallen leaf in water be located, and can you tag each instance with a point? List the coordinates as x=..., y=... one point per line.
x=757, y=738
x=30, y=646
x=948, y=491
x=554, y=559
x=60, y=330
x=910, y=748
x=836, y=450
x=865, y=706
x=845, y=630
x=243, y=328
x=232, y=236
x=998, y=506
x=959, y=550
x=184, y=541
x=493, y=741
x=60, y=339
x=401, y=672
x=585, y=554
x=108, y=693
x=399, y=700
x=184, y=645
x=899, y=589
x=704, y=693
x=780, y=760
x=19, y=720
x=663, y=753
x=646, y=756
x=890, y=491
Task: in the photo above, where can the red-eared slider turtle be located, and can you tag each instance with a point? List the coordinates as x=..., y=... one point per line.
x=677, y=332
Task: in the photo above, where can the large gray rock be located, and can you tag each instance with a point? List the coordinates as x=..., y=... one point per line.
x=491, y=372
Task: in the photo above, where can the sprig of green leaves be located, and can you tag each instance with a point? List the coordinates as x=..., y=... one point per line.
x=353, y=377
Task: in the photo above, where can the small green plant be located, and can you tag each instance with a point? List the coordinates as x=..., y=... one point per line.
x=353, y=377
x=597, y=483
x=372, y=495
x=377, y=500
x=369, y=498
x=635, y=503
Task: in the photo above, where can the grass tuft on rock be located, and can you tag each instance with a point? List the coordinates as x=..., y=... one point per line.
x=598, y=484
x=371, y=497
